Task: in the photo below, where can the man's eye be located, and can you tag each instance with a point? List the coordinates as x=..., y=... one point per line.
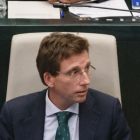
x=87, y=67
x=74, y=72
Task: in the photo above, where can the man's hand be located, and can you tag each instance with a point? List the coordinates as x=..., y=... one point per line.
x=53, y=1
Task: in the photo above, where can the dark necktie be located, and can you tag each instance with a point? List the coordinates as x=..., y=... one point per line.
x=62, y=132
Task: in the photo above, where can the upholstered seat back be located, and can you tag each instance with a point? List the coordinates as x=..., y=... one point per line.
x=23, y=75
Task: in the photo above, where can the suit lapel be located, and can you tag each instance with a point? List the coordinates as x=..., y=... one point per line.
x=88, y=119
x=34, y=124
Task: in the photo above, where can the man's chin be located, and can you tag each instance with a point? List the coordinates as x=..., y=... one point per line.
x=81, y=99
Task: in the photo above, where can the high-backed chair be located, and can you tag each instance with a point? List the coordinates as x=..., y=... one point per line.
x=23, y=75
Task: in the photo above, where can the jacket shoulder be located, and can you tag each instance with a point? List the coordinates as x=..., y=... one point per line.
x=20, y=105
x=100, y=96
x=102, y=101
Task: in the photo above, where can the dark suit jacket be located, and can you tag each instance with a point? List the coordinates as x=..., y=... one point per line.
x=100, y=118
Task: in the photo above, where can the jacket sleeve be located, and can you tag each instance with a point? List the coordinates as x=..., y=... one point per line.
x=6, y=131
x=101, y=0
x=120, y=128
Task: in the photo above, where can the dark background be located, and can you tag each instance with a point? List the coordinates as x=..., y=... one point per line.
x=128, y=47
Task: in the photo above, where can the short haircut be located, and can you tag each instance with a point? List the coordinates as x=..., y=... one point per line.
x=57, y=47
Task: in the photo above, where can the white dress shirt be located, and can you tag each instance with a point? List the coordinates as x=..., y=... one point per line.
x=51, y=122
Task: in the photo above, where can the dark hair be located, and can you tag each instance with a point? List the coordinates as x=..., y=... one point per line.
x=57, y=47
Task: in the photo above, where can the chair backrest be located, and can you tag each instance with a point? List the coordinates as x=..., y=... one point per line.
x=23, y=75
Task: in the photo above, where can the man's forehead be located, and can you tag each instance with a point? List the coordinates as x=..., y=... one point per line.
x=76, y=60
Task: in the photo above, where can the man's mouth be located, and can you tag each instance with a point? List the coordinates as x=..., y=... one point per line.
x=82, y=92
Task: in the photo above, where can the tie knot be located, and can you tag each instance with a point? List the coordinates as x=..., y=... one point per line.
x=63, y=117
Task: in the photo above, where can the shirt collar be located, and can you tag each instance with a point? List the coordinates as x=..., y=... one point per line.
x=52, y=109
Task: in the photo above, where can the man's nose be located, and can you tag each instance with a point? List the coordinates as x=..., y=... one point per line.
x=84, y=79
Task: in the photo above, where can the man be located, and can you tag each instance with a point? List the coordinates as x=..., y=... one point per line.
x=64, y=66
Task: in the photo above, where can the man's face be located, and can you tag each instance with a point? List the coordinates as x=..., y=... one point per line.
x=67, y=90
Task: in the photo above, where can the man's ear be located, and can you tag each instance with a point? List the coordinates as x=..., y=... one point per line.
x=49, y=79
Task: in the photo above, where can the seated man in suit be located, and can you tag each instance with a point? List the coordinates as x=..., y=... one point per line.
x=67, y=109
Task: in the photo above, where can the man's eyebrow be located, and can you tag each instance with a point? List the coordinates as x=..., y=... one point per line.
x=77, y=67
x=72, y=68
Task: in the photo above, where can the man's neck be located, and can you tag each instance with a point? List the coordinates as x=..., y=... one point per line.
x=59, y=103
